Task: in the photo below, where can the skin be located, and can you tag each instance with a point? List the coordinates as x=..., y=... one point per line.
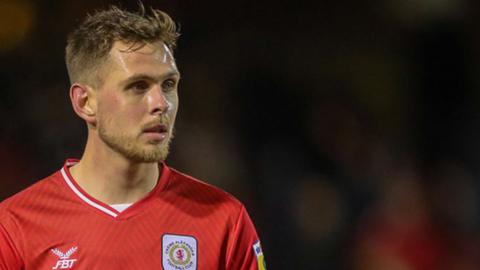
x=138, y=91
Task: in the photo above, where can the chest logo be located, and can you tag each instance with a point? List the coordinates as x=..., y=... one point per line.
x=179, y=252
x=64, y=259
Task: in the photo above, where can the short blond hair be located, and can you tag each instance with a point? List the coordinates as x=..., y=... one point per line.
x=89, y=45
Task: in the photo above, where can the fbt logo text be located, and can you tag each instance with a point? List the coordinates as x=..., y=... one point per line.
x=64, y=261
x=64, y=264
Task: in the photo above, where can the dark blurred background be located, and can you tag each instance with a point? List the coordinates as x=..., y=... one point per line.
x=350, y=129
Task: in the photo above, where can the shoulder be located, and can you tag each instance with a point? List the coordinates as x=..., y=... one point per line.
x=30, y=197
x=17, y=211
x=203, y=194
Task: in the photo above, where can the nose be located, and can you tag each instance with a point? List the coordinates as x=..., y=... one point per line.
x=157, y=101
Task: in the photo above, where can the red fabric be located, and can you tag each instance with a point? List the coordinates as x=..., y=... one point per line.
x=48, y=220
x=417, y=246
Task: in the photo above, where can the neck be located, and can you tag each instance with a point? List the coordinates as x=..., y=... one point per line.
x=111, y=178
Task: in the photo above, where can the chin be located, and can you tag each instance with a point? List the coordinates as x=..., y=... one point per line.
x=149, y=155
x=136, y=150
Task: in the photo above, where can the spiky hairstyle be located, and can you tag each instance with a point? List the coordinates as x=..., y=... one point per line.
x=89, y=45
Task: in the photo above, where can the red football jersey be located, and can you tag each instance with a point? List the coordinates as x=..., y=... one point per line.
x=183, y=224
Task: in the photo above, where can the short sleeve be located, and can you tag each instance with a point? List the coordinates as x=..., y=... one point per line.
x=244, y=250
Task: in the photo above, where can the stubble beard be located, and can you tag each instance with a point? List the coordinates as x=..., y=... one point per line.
x=132, y=148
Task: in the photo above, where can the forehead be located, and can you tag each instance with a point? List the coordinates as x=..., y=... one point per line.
x=149, y=57
x=157, y=50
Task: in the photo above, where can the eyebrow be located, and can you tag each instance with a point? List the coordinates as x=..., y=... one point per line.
x=145, y=76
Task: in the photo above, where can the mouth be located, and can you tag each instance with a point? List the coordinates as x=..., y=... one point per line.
x=156, y=133
x=156, y=129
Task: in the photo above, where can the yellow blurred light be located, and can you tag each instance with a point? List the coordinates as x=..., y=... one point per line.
x=16, y=21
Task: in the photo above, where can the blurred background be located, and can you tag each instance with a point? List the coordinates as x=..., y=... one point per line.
x=349, y=129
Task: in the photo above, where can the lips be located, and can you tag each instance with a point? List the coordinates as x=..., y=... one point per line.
x=156, y=129
x=156, y=133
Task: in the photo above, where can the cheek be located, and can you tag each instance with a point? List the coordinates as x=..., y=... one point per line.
x=173, y=105
x=118, y=110
x=106, y=118
x=108, y=103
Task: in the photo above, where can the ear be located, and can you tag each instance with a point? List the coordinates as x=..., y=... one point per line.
x=84, y=102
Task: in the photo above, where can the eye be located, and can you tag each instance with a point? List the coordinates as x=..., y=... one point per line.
x=169, y=85
x=139, y=86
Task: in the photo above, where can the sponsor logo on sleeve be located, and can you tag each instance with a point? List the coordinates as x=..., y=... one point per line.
x=179, y=252
x=257, y=248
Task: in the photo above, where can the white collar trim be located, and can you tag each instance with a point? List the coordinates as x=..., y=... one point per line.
x=83, y=197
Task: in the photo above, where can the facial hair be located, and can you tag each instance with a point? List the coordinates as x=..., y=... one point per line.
x=130, y=146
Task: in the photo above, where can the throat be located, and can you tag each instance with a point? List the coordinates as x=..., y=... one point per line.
x=116, y=186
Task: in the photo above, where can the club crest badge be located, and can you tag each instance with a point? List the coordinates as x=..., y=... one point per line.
x=179, y=252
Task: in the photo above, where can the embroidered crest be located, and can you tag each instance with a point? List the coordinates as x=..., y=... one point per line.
x=64, y=261
x=179, y=252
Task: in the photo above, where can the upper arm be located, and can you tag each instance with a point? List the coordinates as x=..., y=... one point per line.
x=244, y=251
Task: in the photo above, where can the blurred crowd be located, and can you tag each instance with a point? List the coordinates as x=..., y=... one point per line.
x=350, y=129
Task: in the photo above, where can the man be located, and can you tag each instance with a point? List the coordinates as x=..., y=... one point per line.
x=120, y=206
